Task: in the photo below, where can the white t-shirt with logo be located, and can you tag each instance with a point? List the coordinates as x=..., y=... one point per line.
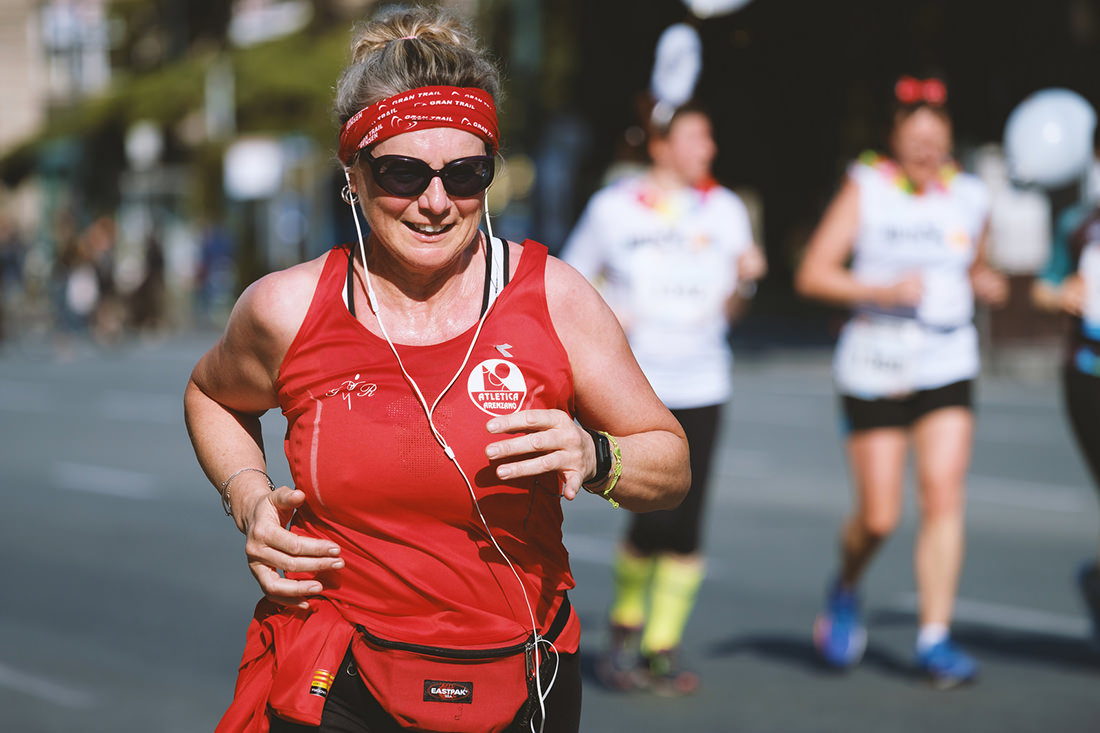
x=666, y=262
x=936, y=235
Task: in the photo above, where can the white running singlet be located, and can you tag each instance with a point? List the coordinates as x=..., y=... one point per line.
x=667, y=264
x=936, y=235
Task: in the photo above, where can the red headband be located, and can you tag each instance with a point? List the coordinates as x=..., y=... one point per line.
x=909, y=90
x=463, y=108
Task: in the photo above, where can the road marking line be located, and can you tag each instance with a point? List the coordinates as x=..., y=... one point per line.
x=1006, y=617
x=1029, y=494
x=34, y=397
x=103, y=480
x=151, y=407
x=44, y=689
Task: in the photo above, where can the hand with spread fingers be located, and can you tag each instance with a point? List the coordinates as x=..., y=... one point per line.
x=547, y=441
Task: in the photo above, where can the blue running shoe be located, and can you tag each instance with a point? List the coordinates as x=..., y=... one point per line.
x=946, y=666
x=839, y=635
x=1088, y=580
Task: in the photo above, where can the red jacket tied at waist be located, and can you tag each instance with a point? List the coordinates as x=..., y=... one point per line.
x=290, y=658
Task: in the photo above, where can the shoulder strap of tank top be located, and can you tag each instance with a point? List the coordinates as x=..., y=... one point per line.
x=496, y=274
x=496, y=271
x=349, y=291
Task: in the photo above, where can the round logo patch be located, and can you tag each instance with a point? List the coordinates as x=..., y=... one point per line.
x=497, y=387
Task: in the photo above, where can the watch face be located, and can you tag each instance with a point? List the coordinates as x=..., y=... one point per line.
x=603, y=456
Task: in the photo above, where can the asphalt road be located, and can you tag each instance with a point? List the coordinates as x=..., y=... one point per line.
x=125, y=597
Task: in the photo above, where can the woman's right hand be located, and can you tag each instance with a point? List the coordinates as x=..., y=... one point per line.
x=905, y=292
x=271, y=548
x=1071, y=294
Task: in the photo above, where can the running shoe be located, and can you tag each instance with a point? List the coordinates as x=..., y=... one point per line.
x=666, y=677
x=619, y=666
x=1088, y=580
x=839, y=635
x=946, y=666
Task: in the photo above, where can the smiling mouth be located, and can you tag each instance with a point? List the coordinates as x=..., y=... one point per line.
x=429, y=229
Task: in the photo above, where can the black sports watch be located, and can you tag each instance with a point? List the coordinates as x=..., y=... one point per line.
x=603, y=458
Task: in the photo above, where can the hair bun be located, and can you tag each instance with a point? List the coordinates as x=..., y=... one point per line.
x=407, y=48
x=400, y=24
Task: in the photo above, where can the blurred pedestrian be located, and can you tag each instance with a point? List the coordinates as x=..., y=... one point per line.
x=99, y=242
x=217, y=273
x=914, y=227
x=432, y=378
x=674, y=255
x=147, y=301
x=1070, y=284
x=75, y=277
x=12, y=253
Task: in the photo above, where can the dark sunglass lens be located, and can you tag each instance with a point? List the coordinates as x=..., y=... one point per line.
x=467, y=177
x=403, y=178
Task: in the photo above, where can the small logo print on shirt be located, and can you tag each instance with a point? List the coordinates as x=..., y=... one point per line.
x=503, y=349
x=497, y=387
x=958, y=240
x=321, y=682
x=446, y=691
x=352, y=388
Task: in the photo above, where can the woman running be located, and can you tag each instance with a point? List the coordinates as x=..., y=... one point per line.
x=674, y=255
x=913, y=227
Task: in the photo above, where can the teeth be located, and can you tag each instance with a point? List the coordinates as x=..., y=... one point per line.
x=428, y=228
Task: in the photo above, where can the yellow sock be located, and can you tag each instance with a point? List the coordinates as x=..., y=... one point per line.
x=631, y=575
x=675, y=585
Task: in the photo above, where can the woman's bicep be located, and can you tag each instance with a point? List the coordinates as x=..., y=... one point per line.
x=611, y=392
x=237, y=371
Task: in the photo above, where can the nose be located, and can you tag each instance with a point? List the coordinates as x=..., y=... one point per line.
x=435, y=197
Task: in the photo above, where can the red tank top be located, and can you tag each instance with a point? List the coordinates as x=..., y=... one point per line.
x=419, y=566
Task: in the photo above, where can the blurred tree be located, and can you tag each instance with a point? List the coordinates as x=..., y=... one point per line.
x=156, y=32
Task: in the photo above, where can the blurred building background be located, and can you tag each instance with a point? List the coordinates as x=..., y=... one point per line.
x=157, y=155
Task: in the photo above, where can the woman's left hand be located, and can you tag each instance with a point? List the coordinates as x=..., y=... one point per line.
x=752, y=265
x=989, y=285
x=549, y=441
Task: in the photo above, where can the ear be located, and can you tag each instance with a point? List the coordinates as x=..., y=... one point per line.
x=352, y=180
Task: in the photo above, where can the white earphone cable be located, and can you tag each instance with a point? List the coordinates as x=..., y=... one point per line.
x=449, y=452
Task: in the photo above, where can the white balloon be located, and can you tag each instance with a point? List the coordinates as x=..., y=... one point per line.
x=711, y=8
x=677, y=65
x=1048, y=138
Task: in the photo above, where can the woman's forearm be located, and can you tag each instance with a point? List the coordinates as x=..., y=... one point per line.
x=225, y=441
x=655, y=473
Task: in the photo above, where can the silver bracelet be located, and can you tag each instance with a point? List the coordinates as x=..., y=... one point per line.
x=225, y=487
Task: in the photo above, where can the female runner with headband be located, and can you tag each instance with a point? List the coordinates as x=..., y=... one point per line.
x=433, y=379
x=914, y=227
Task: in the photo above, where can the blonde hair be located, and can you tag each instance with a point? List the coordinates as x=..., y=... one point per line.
x=405, y=48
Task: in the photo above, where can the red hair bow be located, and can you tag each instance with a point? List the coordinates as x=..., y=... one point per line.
x=910, y=90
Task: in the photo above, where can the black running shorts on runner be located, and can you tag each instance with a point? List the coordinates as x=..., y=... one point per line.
x=902, y=413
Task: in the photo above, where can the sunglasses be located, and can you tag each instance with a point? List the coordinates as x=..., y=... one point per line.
x=405, y=177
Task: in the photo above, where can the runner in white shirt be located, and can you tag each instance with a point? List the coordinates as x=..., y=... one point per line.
x=914, y=227
x=672, y=251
